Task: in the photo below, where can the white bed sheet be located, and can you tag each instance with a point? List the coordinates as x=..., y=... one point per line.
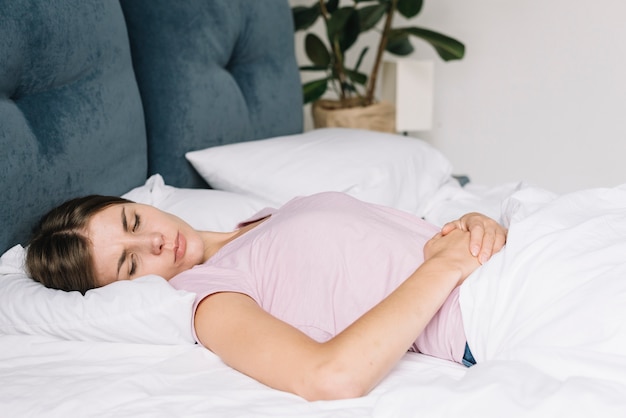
x=47, y=377
x=451, y=200
x=44, y=376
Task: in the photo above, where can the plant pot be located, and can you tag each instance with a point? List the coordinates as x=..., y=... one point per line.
x=380, y=116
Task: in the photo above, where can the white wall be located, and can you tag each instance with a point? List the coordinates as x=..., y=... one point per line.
x=540, y=95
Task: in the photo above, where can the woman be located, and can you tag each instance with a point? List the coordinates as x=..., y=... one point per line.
x=319, y=298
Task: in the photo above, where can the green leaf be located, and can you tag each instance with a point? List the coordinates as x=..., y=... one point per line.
x=349, y=87
x=369, y=16
x=448, y=48
x=344, y=27
x=332, y=5
x=398, y=43
x=360, y=60
x=312, y=68
x=410, y=8
x=304, y=17
x=357, y=77
x=316, y=50
x=313, y=90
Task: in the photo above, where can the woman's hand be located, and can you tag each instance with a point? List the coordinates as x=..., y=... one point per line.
x=452, y=252
x=487, y=236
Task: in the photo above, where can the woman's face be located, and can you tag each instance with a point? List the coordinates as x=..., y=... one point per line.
x=130, y=240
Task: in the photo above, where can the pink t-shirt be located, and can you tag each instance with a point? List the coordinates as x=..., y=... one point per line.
x=320, y=262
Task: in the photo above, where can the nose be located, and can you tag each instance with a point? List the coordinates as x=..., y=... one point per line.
x=152, y=243
x=156, y=243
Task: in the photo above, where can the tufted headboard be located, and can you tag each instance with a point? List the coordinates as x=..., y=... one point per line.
x=210, y=73
x=97, y=95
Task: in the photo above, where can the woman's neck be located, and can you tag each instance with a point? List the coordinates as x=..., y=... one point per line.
x=214, y=241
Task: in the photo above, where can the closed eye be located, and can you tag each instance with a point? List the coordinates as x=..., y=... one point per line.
x=137, y=222
x=133, y=266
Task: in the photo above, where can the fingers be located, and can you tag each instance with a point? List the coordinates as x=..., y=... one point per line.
x=451, y=226
x=452, y=251
x=480, y=243
x=500, y=239
x=486, y=235
x=483, y=246
x=490, y=240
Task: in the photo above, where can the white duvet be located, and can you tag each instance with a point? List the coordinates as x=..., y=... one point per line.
x=556, y=298
x=545, y=320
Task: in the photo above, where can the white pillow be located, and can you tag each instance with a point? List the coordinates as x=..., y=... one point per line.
x=387, y=169
x=145, y=310
x=203, y=209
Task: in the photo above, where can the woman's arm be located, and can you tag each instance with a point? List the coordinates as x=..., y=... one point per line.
x=349, y=365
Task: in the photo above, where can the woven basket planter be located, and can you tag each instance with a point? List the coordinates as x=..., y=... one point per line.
x=380, y=116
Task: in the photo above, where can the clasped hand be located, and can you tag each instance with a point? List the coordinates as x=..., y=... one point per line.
x=466, y=243
x=487, y=236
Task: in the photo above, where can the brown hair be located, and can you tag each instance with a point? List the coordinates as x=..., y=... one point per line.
x=59, y=254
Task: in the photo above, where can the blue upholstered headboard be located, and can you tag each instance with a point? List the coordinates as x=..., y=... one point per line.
x=95, y=95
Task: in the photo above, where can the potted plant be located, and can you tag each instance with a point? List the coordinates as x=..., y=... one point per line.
x=354, y=88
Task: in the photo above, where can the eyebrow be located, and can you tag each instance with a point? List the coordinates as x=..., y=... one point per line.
x=122, y=258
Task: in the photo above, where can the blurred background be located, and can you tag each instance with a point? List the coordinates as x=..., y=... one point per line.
x=540, y=95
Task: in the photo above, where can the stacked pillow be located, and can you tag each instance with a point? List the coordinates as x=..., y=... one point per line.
x=203, y=209
x=387, y=169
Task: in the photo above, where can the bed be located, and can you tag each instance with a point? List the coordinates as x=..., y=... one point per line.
x=195, y=107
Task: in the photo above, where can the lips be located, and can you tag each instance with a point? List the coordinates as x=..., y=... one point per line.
x=180, y=247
